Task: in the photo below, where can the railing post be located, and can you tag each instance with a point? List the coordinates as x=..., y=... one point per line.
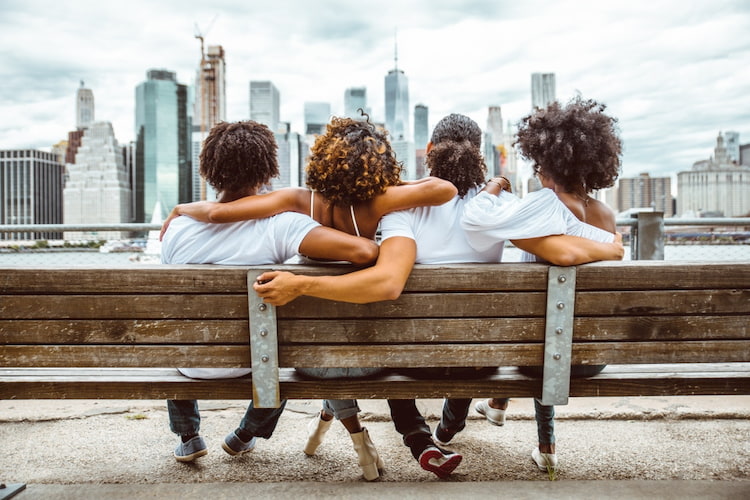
x=649, y=236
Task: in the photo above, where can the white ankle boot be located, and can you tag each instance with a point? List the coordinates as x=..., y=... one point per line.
x=369, y=460
x=316, y=429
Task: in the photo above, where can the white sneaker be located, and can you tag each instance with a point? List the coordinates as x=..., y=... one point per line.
x=544, y=461
x=494, y=415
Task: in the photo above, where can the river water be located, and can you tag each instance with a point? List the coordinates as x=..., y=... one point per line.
x=511, y=254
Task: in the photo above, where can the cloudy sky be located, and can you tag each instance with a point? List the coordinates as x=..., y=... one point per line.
x=674, y=73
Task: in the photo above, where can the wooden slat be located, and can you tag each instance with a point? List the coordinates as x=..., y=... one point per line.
x=122, y=306
x=629, y=275
x=514, y=354
x=423, y=305
x=125, y=356
x=661, y=302
x=628, y=327
x=156, y=331
x=147, y=331
x=645, y=275
x=141, y=279
x=615, y=380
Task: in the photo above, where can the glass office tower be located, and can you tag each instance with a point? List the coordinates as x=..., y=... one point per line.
x=163, y=149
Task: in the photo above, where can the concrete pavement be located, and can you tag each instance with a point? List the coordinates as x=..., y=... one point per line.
x=693, y=447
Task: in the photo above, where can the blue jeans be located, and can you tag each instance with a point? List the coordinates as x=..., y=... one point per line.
x=545, y=421
x=339, y=408
x=185, y=419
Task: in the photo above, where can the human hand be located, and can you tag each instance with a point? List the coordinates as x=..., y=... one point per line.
x=173, y=214
x=278, y=287
x=501, y=181
x=620, y=249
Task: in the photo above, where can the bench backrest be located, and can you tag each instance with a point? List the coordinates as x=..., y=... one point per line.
x=451, y=315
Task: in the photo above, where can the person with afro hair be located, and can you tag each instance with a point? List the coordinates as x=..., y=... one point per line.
x=574, y=149
x=237, y=160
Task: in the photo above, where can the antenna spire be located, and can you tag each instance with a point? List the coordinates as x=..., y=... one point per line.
x=395, y=47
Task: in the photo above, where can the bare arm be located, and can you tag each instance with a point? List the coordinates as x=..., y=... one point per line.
x=429, y=191
x=249, y=207
x=331, y=244
x=383, y=281
x=564, y=250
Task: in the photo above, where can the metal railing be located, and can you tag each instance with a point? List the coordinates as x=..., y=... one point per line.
x=645, y=233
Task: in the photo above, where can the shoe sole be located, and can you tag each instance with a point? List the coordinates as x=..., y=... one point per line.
x=234, y=453
x=480, y=410
x=192, y=456
x=443, y=470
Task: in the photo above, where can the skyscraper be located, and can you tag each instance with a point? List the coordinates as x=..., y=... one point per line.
x=421, y=126
x=317, y=116
x=31, y=191
x=542, y=89
x=209, y=109
x=97, y=189
x=421, y=138
x=732, y=141
x=163, y=152
x=397, y=105
x=84, y=107
x=84, y=118
x=264, y=104
x=354, y=99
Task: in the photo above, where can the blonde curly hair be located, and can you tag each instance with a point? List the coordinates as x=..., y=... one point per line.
x=352, y=162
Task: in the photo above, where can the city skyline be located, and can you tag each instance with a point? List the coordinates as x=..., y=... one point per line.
x=673, y=74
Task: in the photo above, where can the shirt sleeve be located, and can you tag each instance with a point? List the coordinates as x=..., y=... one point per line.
x=396, y=224
x=290, y=229
x=488, y=218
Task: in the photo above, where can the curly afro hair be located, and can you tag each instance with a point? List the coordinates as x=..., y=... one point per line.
x=456, y=155
x=239, y=155
x=352, y=162
x=577, y=146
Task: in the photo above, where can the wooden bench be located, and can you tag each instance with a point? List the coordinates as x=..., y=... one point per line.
x=663, y=328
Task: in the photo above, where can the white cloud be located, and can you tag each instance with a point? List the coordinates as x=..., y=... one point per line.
x=675, y=74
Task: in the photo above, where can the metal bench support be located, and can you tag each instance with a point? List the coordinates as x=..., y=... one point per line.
x=264, y=348
x=558, y=336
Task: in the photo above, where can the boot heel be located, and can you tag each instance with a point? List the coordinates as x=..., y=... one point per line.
x=316, y=429
x=369, y=460
x=370, y=471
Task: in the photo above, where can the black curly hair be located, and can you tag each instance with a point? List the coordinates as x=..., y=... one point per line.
x=456, y=152
x=576, y=145
x=239, y=155
x=352, y=162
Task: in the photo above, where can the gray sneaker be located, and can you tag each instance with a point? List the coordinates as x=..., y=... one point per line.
x=235, y=446
x=190, y=450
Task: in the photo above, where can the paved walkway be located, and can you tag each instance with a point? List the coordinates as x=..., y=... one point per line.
x=677, y=447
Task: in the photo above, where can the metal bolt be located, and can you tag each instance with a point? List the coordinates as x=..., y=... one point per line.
x=264, y=359
x=561, y=278
x=560, y=306
x=262, y=307
x=557, y=356
x=263, y=332
x=558, y=330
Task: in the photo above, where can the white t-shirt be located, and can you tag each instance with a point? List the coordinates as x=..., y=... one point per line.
x=438, y=233
x=253, y=242
x=488, y=219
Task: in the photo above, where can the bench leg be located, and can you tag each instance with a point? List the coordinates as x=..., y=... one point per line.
x=10, y=490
